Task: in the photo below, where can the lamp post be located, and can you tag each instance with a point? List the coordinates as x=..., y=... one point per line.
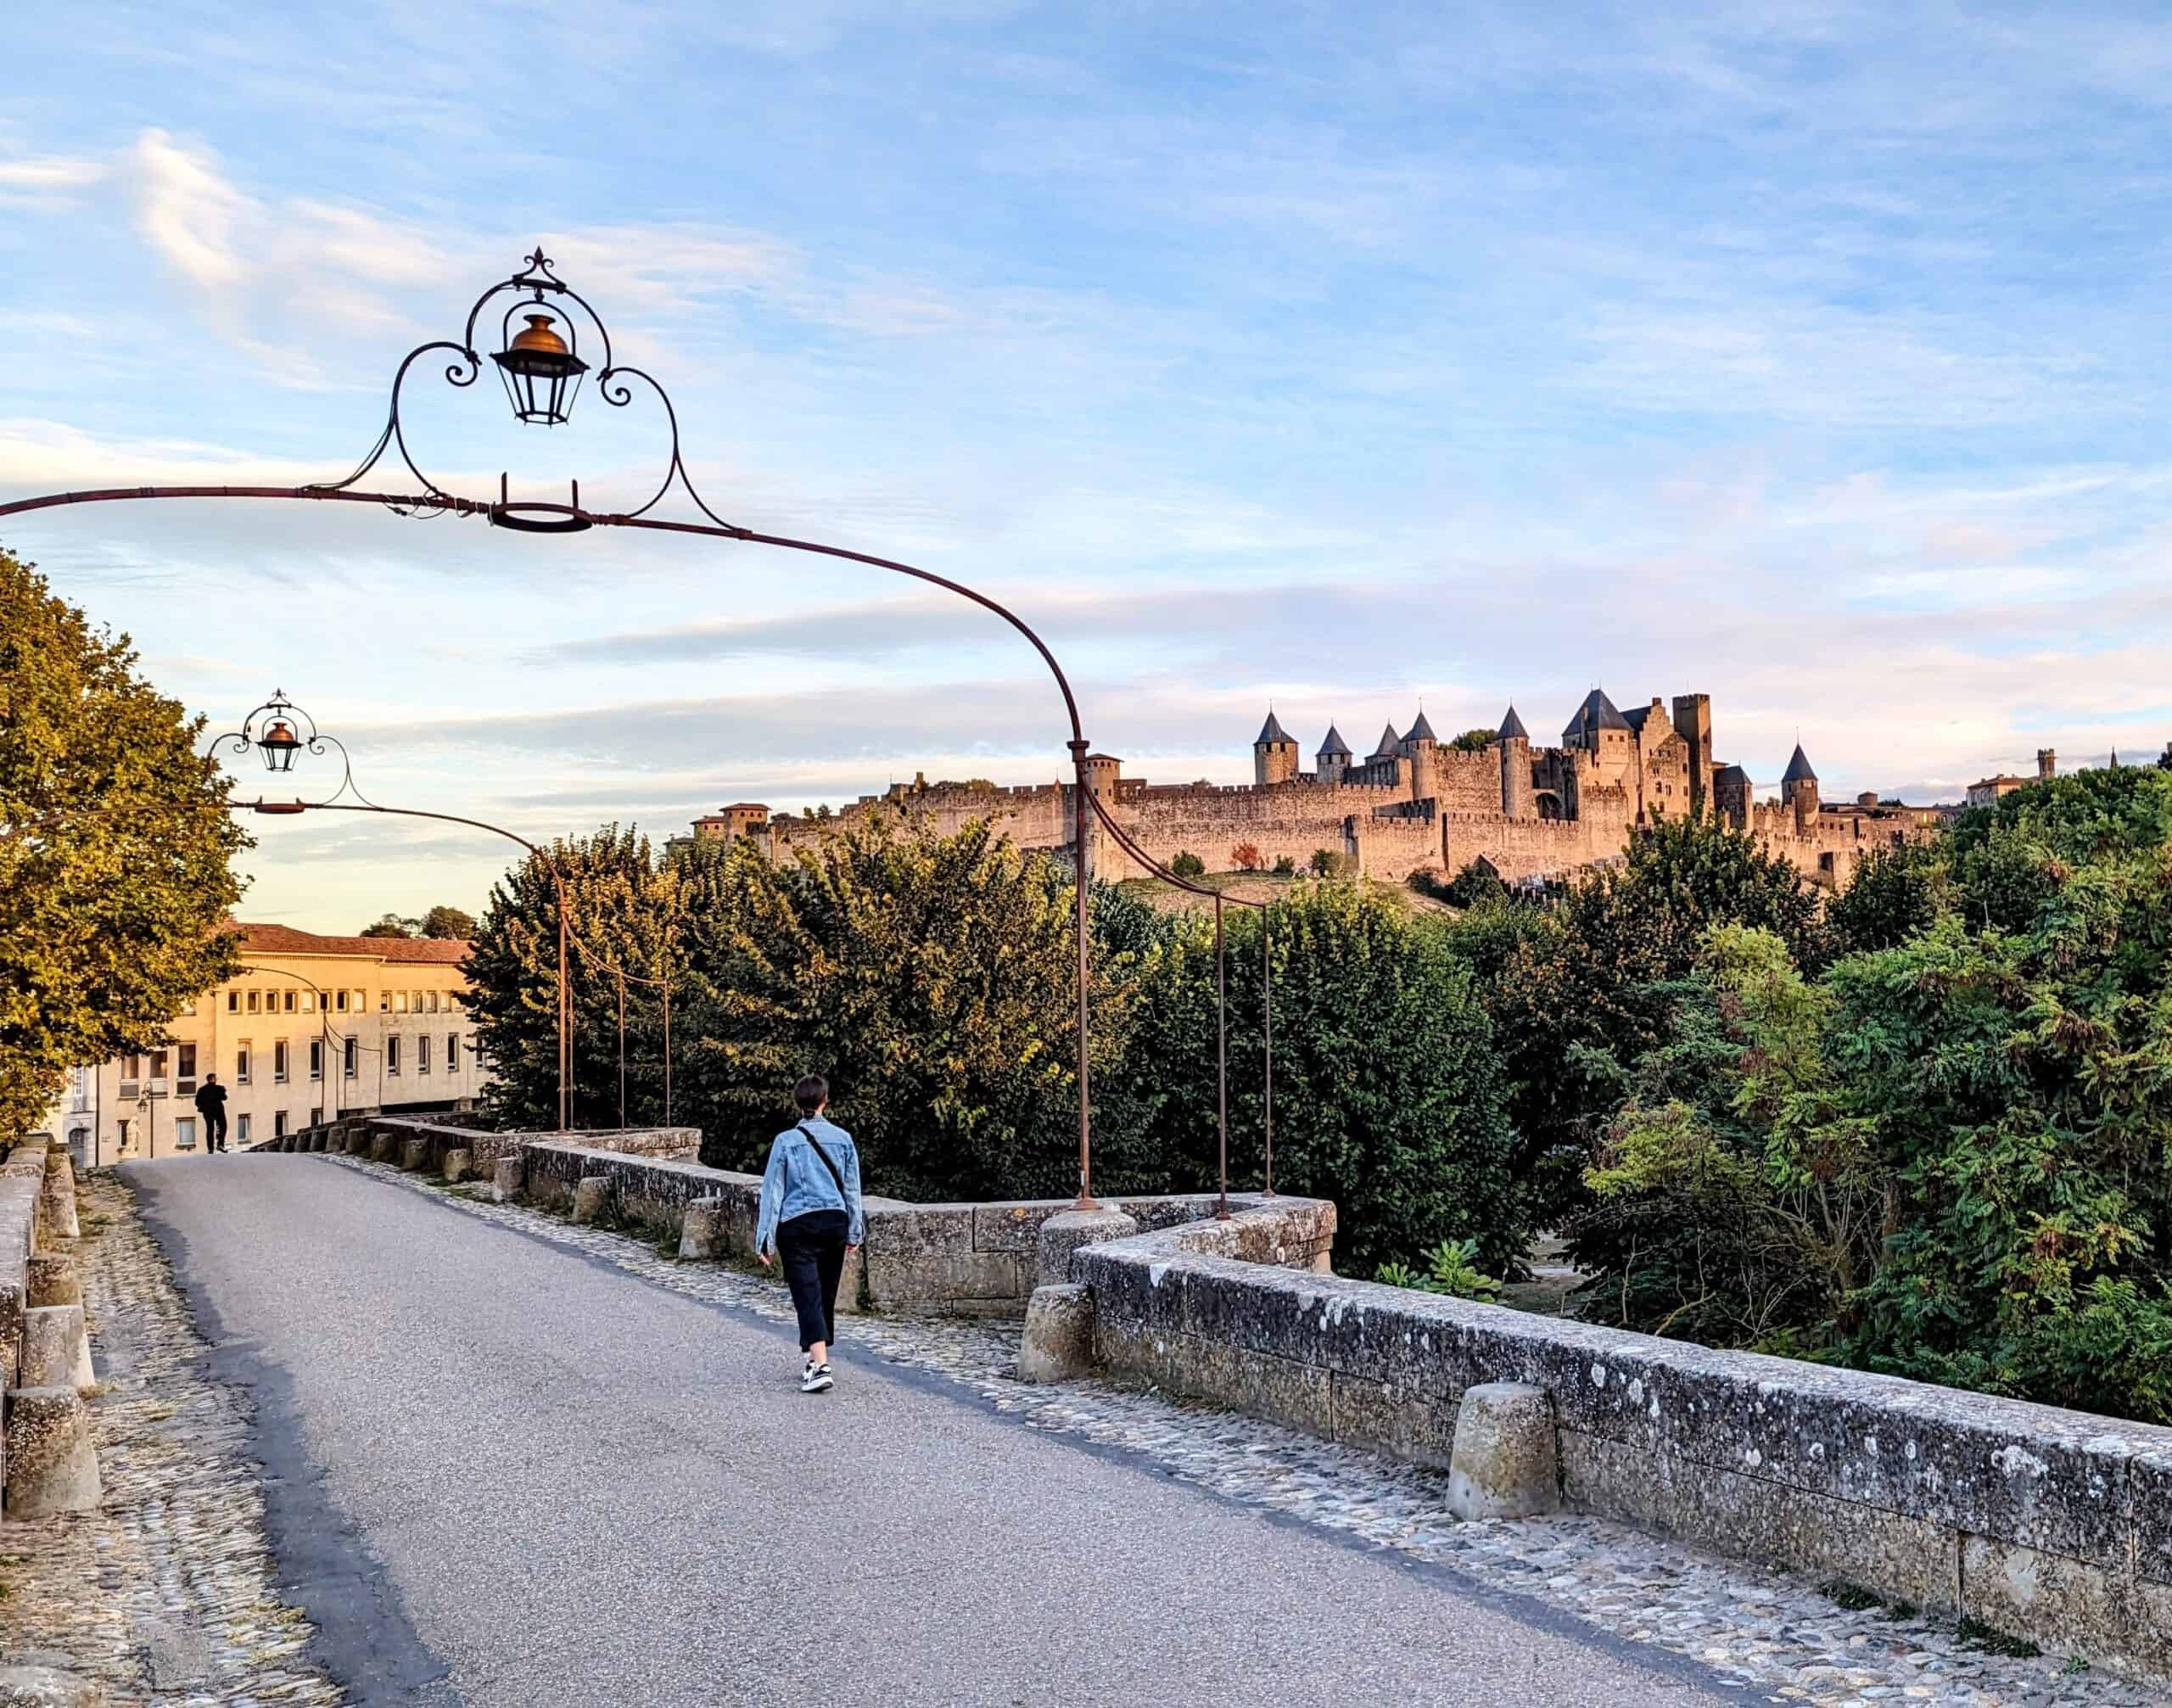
x=277, y=741
x=542, y=367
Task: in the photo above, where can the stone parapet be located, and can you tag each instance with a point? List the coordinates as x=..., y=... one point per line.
x=2045, y=1523
x=48, y=1463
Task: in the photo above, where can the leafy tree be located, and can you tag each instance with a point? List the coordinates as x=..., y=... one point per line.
x=1325, y=863
x=1477, y=883
x=1475, y=740
x=1387, y=1097
x=448, y=922
x=392, y=925
x=115, y=850
x=1894, y=894
x=1188, y=864
x=1245, y=857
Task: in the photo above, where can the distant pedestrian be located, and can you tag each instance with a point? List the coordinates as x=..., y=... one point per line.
x=811, y=1218
x=212, y=1104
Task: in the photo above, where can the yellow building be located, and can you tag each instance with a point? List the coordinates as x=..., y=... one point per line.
x=308, y=1026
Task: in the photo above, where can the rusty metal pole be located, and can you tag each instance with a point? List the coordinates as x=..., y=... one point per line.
x=1222, y=1058
x=622, y=1049
x=667, y=1053
x=1267, y=1001
x=565, y=1012
x=1079, y=874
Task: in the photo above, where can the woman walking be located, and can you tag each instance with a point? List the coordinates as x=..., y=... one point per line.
x=811, y=1220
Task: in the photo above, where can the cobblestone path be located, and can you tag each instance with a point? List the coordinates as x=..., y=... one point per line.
x=1782, y=1637
x=167, y=1593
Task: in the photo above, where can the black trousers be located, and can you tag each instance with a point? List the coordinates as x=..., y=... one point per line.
x=812, y=1249
x=214, y=1129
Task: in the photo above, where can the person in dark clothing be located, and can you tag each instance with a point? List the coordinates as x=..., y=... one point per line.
x=811, y=1220
x=212, y=1104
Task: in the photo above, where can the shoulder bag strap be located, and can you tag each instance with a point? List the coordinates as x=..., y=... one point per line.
x=806, y=1132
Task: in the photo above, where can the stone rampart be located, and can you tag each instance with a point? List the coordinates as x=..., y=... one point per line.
x=2043, y=1523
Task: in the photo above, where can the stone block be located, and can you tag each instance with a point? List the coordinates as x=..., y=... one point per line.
x=935, y=1279
x=1506, y=1462
x=50, y=1279
x=506, y=1180
x=46, y=1686
x=52, y=1467
x=1014, y=1228
x=415, y=1153
x=56, y=1349
x=1058, y=1342
x=319, y=1140
x=56, y=1198
x=2068, y=1605
x=923, y=1229
x=852, y=1283
x=1299, y=1396
x=381, y=1144
x=701, y=1230
x=1064, y=1232
x=591, y=1195
x=456, y=1165
x=1397, y=1417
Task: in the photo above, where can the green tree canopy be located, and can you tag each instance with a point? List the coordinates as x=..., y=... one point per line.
x=391, y=925
x=115, y=850
x=1475, y=740
x=448, y=922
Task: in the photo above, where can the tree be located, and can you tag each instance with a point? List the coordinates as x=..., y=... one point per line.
x=446, y=923
x=1475, y=740
x=115, y=850
x=1325, y=863
x=1188, y=864
x=1245, y=857
x=392, y=925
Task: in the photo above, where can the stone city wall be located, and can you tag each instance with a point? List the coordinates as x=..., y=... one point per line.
x=2043, y=1523
x=1520, y=848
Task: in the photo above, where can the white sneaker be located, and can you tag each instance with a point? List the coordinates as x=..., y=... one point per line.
x=816, y=1379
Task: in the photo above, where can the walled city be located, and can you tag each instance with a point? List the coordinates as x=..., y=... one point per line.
x=1417, y=804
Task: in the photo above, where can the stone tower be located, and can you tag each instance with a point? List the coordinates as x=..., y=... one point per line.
x=2047, y=762
x=1692, y=722
x=1333, y=758
x=1518, y=799
x=1274, y=754
x=1799, y=788
x=1423, y=746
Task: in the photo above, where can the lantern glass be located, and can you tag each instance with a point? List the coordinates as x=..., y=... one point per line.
x=279, y=744
x=541, y=372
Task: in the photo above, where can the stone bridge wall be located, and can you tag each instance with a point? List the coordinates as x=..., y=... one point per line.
x=2045, y=1523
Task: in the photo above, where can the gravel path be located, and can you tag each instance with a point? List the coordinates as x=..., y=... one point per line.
x=575, y=1486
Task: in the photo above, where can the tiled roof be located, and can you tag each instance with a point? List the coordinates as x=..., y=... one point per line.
x=1421, y=731
x=1335, y=744
x=1799, y=770
x=1272, y=730
x=285, y=940
x=1390, y=743
x=1597, y=713
x=1512, y=727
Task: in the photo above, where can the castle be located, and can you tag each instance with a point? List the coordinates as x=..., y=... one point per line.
x=1416, y=803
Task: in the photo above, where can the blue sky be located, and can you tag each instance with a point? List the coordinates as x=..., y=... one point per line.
x=1808, y=355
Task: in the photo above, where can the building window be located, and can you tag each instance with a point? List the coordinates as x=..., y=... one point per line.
x=398, y=1002
x=339, y=1001
x=392, y=1055
x=309, y=1002
x=185, y=1068
x=291, y=995
x=385, y=1002
x=452, y=1052
x=422, y=1054
x=279, y=1124
x=416, y=1001
x=316, y=1058
x=241, y=1129
x=255, y=997
x=241, y=1064
x=361, y=1002
x=317, y=1115
x=233, y=1002
x=434, y=1002
x=279, y=1062
x=184, y=1132
x=351, y=1059
x=158, y=1066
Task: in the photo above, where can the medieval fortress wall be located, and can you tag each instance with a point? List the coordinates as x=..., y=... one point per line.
x=1415, y=804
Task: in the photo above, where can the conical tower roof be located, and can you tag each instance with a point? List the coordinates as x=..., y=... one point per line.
x=1391, y=743
x=1272, y=730
x=1512, y=727
x=1335, y=745
x=1797, y=771
x=1597, y=713
x=1421, y=731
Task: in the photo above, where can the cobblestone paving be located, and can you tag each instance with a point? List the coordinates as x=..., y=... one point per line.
x=1778, y=1636
x=167, y=1593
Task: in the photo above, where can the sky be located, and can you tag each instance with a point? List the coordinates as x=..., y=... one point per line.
x=1348, y=358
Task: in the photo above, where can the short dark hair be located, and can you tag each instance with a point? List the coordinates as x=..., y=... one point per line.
x=811, y=1093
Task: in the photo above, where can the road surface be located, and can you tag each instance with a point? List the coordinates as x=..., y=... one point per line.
x=504, y=1474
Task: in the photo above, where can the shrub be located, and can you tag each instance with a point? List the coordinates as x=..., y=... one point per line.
x=1245, y=857
x=1286, y=867
x=1188, y=864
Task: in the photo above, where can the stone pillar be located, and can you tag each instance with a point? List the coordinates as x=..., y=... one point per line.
x=51, y=1466
x=415, y=1153
x=380, y=1147
x=458, y=1164
x=1063, y=1233
x=591, y=1193
x=1058, y=1344
x=56, y=1349
x=51, y=1277
x=56, y=1201
x=507, y=1177
x=1507, y=1458
x=1519, y=800
x=701, y=1230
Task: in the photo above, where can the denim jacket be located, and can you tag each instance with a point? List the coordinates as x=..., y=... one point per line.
x=795, y=1182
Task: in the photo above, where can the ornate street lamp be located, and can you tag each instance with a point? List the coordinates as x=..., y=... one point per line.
x=280, y=740
x=541, y=368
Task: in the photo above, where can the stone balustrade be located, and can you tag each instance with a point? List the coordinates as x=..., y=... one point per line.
x=50, y=1463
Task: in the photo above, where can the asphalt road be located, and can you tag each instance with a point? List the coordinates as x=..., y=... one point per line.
x=503, y=1474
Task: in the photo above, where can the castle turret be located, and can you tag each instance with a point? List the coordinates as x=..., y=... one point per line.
x=1692, y=722
x=1274, y=754
x=1333, y=758
x=2047, y=762
x=1518, y=798
x=1423, y=746
x=1799, y=789
x=1731, y=795
x=1391, y=746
